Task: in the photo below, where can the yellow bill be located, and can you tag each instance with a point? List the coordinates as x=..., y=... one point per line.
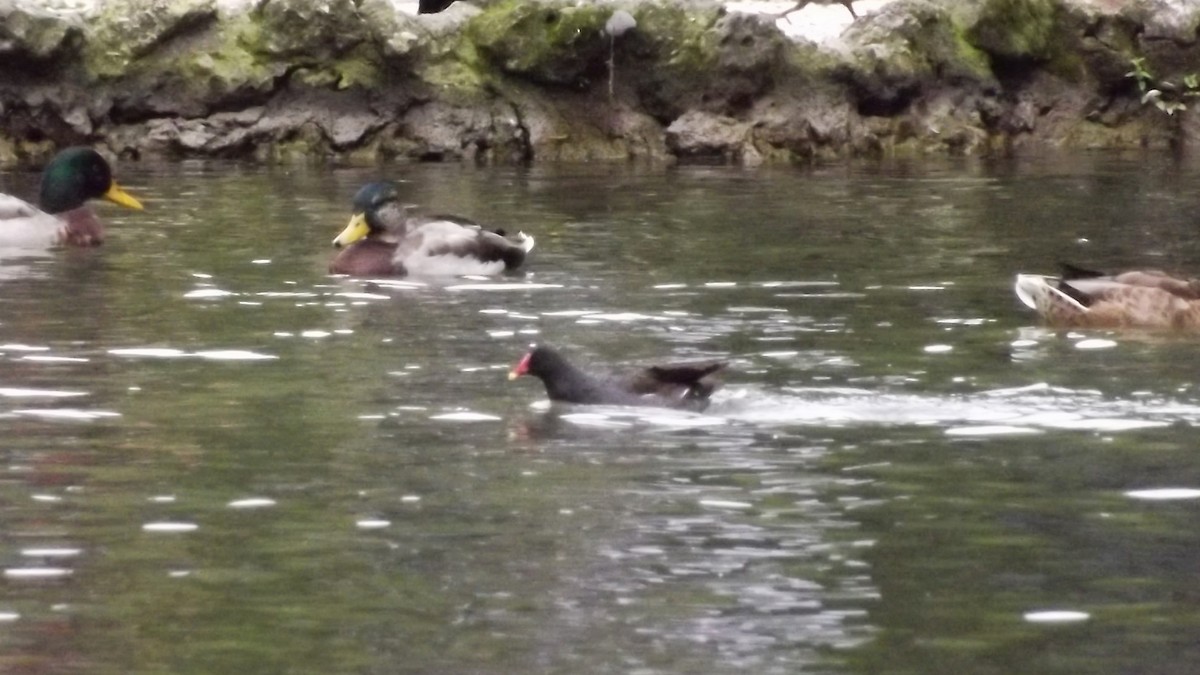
x=356, y=229
x=117, y=195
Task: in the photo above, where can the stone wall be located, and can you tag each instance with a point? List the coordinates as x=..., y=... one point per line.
x=526, y=80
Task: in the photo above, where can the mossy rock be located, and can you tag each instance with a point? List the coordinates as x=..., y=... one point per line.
x=166, y=40
x=1169, y=37
x=688, y=56
x=1018, y=30
x=554, y=43
x=29, y=36
x=128, y=30
x=908, y=47
x=320, y=31
x=670, y=58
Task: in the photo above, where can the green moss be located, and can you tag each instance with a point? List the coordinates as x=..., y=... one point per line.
x=216, y=57
x=969, y=57
x=359, y=68
x=1017, y=30
x=917, y=39
x=683, y=38
x=554, y=43
x=808, y=59
x=453, y=75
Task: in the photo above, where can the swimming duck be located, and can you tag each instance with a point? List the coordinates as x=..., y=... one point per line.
x=677, y=385
x=387, y=238
x=1135, y=299
x=74, y=176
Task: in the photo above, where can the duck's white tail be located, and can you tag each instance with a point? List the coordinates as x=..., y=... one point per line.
x=1037, y=292
x=1028, y=287
x=525, y=241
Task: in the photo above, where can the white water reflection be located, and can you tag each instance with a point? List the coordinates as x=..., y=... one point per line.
x=1056, y=616
x=19, y=392
x=50, y=552
x=209, y=355
x=999, y=412
x=465, y=416
x=36, y=572
x=1164, y=494
x=252, y=503
x=170, y=527
x=66, y=414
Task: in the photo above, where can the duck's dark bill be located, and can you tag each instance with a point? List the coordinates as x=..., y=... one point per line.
x=117, y=195
x=522, y=367
x=356, y=229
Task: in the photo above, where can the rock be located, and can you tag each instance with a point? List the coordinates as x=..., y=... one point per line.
x=556, y=43
x=1169, y=36
x=702, y=135
x=905, y=50
x=32, y=36
x=1018, y=30
x=128, y=30
x=439, y=132
x=529, y=80
x=319, y=31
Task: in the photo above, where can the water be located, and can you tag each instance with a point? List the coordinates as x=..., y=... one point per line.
x=218, y=459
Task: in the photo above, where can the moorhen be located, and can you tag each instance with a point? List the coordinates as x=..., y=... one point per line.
x=677, y=385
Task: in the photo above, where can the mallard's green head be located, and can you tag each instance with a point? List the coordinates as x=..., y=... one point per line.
x=76, y=175
x=375, y=210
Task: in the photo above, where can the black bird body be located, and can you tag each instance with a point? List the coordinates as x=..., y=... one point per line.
x=432, y=6
x=678, y=385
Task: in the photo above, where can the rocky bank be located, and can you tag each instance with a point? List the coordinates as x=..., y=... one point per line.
x=522, y=80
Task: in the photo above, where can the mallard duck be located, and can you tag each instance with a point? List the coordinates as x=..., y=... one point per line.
x=387, y=238
x=676, y=385
x=1134, y=299
x=74, y=176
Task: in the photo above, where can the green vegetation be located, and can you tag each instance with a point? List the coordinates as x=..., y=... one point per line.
x=1167, y=96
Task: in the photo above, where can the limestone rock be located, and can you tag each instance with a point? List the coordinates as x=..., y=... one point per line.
x=557, y=43
x=30, y=35
x=699, y=134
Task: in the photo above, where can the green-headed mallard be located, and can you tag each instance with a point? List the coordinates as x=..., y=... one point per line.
x=1134, y=299
x=74, y=176
x=386, y=238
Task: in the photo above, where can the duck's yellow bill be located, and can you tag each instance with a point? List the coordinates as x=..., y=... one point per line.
x=117, y=195
x=356, y=229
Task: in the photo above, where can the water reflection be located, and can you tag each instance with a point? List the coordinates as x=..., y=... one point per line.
x=216, y=454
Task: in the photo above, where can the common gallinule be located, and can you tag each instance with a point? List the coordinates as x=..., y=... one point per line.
x=677, y=385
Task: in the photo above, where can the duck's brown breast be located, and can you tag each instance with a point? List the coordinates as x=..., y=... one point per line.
x=367, y=258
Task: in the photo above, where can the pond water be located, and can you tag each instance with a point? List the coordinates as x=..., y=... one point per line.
x=217, y=459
